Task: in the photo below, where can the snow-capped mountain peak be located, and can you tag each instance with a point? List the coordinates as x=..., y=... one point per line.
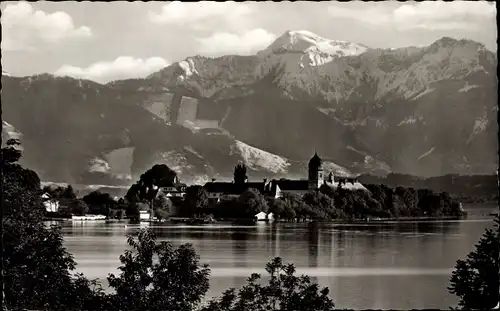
x=296, y=51
x=303, y=41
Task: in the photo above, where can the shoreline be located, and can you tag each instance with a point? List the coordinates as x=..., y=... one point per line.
x=239, y=221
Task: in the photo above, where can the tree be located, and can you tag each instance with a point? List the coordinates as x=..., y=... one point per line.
x=226, y=208
x=21, y=193
x=132, y=211
x=196, y=200
x=410, y=198
x=99, y=203
x=296, y=204
x=89, y=295
x=162, y=202
x=68, y=193
x=149, y=183
x=78, y=207
x=162, y=206
x=475, y=280
x=323, y=206
x=289, y=212
x=176, y=282
x=284, y=291
x=119, y=214
x=361, y=208
x=277, y=207
x=141, y=206
x=251, y=202
x=111, y=214
x=36, y=266
x=132, y=195
x=327, y=190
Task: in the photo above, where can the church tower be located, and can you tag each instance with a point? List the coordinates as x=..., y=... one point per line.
x=316, y=178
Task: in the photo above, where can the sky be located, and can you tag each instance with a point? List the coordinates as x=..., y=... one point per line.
x=117, y=40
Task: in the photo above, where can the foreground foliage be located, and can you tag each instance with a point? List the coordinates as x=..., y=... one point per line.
x=37, y=268
x=476, y=279
x=284, y=291
x=158, y=277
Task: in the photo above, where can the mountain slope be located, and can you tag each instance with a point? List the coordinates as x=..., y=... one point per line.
x=78, y=131
x=418, y=110
x=393, y=104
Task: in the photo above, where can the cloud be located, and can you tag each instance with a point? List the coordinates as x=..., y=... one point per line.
x=124, y=67
x=23, y=28
x=444, y=15
x=249, y=42
x=375, y=15
x=203, y=14
x=430, y=15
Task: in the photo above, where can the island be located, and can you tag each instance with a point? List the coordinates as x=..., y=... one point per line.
x=159, y=195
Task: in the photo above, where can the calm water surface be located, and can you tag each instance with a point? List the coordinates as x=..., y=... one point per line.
x=366, y=266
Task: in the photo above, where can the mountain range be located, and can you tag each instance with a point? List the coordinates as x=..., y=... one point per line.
x=425, y=111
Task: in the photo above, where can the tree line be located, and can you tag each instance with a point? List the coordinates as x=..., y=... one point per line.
x=39, y=273
x=95, y=203
x=476, y=188
x=325, y=204
x=329, y=204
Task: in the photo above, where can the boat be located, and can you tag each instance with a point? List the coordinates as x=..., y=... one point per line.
x=88, y=217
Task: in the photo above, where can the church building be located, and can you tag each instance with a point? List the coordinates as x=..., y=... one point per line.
x=276, y=187
x=316, y=178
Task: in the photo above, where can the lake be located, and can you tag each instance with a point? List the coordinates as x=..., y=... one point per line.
x=366, y=266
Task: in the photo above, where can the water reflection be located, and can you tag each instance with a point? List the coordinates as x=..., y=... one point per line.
x=240, y=239
x=313, y=237
x=371, y=265
x=99, y=228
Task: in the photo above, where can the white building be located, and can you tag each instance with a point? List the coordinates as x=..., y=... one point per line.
x=51, y=204
x=263, y=216
x=178, y=191
x=144, y=215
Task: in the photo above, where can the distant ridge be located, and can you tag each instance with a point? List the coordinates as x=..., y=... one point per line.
x=418, y=110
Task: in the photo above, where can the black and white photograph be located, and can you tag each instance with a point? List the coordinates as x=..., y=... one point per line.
x=249, y=156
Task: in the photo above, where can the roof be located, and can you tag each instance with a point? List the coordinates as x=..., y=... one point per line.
x=179, y=187
x=232, y=188
x=218, y=187
x=290, y=185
